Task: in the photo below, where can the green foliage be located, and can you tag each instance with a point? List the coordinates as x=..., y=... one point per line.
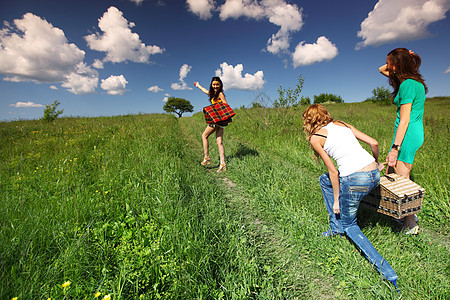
x=289, y=97
x=178, y=106
x=50, y=112
x=327, y=98
x=380, y=95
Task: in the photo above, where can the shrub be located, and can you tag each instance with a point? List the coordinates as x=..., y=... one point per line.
x=327, y=98
x=380, y=96
x=50, y=112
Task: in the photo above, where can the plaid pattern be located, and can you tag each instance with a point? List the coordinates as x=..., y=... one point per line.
x=218, y=113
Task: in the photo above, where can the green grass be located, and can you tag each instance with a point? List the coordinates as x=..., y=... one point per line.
x=121, y=206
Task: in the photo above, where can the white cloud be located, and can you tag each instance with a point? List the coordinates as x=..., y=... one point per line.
x=201, y=8
x=138, y=2
x=308, y=54
x=118, y=41
x=400, y=20
x=155, y=89
x=26, y=104
x=166, y=97
x=83, y=80
x=287, y=16
x=447, y=71
x=114, y=85
x=98, y=64
x=52, y=87
x=34, y=50
x=184, y=70
x=232, y=78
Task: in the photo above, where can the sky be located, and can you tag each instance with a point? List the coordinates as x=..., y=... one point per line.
x=107, y=58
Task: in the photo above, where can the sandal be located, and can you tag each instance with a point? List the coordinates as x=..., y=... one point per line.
x=412, y=231
x=206, y=161
x=222, y=167
x=331, y=233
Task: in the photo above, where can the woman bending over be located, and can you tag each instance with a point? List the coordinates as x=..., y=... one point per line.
x=343, y=189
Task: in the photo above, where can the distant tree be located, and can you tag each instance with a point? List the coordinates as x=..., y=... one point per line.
x=380, y=95
x=327, y=98
x=178, y=106
x=50, y=112
x=305, y=101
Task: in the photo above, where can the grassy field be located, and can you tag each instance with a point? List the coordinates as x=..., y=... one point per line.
x=121, y=206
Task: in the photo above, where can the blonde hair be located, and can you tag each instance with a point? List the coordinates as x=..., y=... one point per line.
x=314, y=118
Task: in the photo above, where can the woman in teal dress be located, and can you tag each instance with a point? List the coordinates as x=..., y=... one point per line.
x=402, y=69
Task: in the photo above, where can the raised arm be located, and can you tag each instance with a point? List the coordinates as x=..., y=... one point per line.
x=383, y=70
x=201, y=88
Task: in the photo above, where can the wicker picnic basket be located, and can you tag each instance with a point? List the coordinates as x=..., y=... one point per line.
x=395, y=196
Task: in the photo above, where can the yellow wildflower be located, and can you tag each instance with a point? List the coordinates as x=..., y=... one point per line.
x=107, y=297
x=97, y=294
x=15, y=298
x=66, y=284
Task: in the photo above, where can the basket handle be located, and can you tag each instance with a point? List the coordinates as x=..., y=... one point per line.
x=387, y=172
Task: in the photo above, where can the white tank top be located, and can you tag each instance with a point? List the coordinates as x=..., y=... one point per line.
x=344, y=148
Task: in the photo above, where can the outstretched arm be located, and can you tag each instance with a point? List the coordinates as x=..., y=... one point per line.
x=201, y=88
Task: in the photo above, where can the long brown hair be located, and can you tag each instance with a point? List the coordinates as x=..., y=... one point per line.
x=212, y=93
x=314, y=118
x=406, y=67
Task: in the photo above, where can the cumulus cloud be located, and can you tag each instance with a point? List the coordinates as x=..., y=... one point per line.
x=166, y=97
x=201, y=8
x=52, y=87
x=155, y=89
x=181, y=85
x=400, y=20
x=137, y=2
x=114, y=85
x=118, y=41
x=26, y=104
x=32, y=49
x=83, y=80
x=232, y=78
x=308, y=54
x=98, y=64
x=447, y=71
x=287, y=16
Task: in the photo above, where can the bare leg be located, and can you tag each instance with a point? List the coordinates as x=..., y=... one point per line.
x=219, y=140
x=208, y=131
x=404, y=169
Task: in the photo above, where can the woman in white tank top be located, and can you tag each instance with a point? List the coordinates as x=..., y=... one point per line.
x=343, y=189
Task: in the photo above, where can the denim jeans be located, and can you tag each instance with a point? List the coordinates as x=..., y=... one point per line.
x=352, y=189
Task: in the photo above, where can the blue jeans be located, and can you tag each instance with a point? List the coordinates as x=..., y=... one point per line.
x=352, y=189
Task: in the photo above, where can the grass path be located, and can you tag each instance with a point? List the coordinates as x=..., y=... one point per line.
x=280, y=205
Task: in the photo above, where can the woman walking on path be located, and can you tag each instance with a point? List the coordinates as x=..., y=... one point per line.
x=216, y=95
x=402, y=69
x=343, y=190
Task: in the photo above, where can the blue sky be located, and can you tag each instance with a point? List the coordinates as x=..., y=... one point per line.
x=104, y=58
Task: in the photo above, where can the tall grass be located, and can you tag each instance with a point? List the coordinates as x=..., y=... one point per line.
x=121, y=206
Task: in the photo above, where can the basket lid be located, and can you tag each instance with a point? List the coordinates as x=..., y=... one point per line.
x=400, y=186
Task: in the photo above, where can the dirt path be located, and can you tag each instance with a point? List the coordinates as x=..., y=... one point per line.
x=275, y=252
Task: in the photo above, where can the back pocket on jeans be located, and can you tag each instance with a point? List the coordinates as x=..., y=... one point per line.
x=359, y=189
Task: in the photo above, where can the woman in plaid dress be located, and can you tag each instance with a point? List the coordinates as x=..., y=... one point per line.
x=216, y=95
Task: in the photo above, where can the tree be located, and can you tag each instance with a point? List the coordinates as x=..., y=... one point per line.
x=327, y=98
x=50, y=112
x=178, y=106
x=381, y=96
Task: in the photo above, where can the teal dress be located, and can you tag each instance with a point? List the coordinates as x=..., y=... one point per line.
x=410, y=91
